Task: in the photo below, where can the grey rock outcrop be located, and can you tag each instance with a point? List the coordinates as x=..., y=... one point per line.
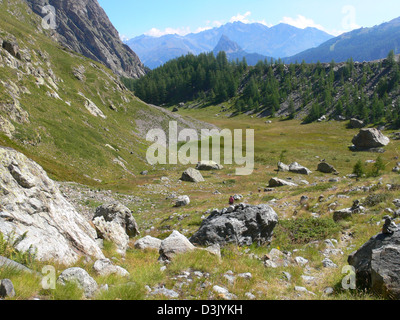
x=192, y=175
x=370, y=139
x=31, y=203
x=83, y=26
x=377, y=263
x=243, y=226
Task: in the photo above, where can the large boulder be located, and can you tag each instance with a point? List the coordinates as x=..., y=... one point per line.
x=32, y=204
x=356, y=124
x=370, y=139
x=377, y=264
x=148, y=242
x=297, y=168
x=121, y=215
x=81, y=278
x=208, y=165
x=275, y=182
x=175, y=244
x=326, y=168
x=242, y=225
x=112, y=231
x=192, y=175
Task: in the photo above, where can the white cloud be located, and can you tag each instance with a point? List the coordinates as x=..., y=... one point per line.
x=302, y=22
x=241, y=17
x=154, y=32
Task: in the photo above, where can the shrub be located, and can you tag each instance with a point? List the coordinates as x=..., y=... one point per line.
x=359, y=169
x=301, y=231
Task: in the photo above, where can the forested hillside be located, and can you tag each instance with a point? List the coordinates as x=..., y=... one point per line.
x=368, y=91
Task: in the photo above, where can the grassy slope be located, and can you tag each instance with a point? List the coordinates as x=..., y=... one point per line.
x=67, y=140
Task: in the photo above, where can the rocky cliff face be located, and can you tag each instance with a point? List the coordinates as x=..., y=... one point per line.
x=83, y=26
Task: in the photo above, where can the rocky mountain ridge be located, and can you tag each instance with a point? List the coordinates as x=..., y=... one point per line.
x=84, y=27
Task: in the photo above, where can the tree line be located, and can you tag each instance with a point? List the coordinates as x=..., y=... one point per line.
x=367, y=91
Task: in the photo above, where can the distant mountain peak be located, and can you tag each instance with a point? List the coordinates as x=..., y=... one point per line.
x=227, y=45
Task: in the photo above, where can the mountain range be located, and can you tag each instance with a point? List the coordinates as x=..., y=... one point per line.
x=365, y=44
x=278, y=41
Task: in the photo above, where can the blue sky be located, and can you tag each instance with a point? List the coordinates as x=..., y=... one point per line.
x=158, y=17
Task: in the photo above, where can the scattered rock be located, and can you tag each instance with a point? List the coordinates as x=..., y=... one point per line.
x=81, y=278
x=301, y=261
x=275, y=182
x=356, y=124
x=104, y=267
x=192, y=175
x=120, y=214
x=370, y=139
x=326, y=168
x=175, y=244
x=208, y=165
x=283, y=167
x=328, y=263
x=7, y=289
x=182, y=201
x=223, y=293
x=377, y=263
x=297, y=168
x=148, y=242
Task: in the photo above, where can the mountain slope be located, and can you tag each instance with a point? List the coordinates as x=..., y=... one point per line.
x=278, y=41
x=70, y=114
x=365, y=44
x=83, y=26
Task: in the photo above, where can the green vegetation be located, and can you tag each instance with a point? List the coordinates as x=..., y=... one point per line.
x=315, y=90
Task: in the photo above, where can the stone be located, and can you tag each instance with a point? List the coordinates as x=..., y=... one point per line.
x=7, y=289
x=244, y=226
x=377, y=263
x=12, y=48
x=356, y=124
x=171, y=294
x=328, y=263
x=182, y=201
x=275, y=182
x=81, y=278
x=208, y=165
x=301, y=261
x=326, y=168
x=104, y=268
x=297, y=168
x=121, y=215
x=283, y=167
x=32, y=204
x=370, y=139
x=348, y=212
x=192, y=175
x=175, y=244
x=389, y=227
x=113, y=232
x=223, y=293
x=148, y=242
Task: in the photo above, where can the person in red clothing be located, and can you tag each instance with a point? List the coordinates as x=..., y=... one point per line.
x=231, y=200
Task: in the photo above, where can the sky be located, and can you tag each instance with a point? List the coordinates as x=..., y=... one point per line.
x=160, y=17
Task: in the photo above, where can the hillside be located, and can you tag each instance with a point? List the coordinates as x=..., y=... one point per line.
x=368, y=91
x=365, y=44
x=69, y=113
x=278, y=41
